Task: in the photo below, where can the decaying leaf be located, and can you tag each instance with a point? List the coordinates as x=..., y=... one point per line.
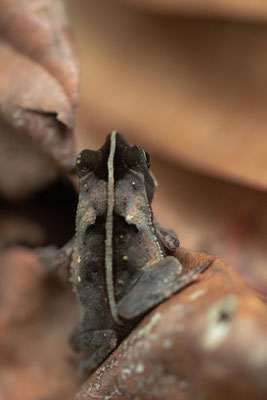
x=40, y=30
x=38, y=87
x=207, y=342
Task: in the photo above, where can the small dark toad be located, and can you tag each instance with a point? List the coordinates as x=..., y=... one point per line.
x=121, y=258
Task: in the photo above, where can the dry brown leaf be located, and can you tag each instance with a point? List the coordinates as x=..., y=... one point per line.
x=192, y=90
x=38, y=86
x=207, y=342
x=40, y=30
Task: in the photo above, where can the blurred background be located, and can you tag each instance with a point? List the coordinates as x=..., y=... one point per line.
x=188, y=82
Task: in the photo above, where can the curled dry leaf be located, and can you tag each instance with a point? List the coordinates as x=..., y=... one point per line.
x=229, y=8
x=38, y=85
x=208, y=341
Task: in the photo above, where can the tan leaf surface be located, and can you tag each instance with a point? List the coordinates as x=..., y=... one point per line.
x=256, y=9
x=192, y=90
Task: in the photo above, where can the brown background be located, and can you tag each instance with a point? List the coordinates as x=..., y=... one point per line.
x=186, y=80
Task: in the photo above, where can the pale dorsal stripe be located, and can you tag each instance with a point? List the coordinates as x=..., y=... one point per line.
x=109, y=231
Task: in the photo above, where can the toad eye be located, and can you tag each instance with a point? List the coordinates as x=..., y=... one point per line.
x=86, y=162
x=147, y=158
x=136, y=157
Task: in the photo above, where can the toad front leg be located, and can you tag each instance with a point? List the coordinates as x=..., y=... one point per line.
x=96, y=344
x=155, y=285
x=53, y=258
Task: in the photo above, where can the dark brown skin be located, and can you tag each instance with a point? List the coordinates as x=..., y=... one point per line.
x=121, y=265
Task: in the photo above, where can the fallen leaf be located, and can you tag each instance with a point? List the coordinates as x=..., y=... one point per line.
x=39, y=86
x=209, y=341
x=40, y=30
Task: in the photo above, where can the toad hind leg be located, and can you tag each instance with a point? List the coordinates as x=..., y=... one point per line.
x=98, y=343
x=155, y=285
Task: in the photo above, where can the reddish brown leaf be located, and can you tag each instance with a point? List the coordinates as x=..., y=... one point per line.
x=207, y=342
x=208, y=339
